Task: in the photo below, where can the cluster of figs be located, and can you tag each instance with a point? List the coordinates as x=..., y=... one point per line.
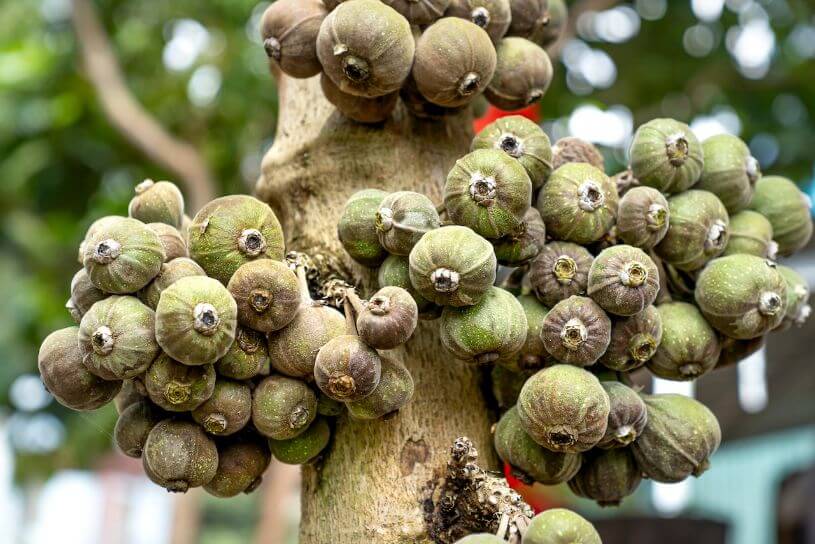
x=205, y=335
x=439, y=56
x=553, y=526
x=669, y=266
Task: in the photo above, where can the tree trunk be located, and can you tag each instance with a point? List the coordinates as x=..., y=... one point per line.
x=372, y=481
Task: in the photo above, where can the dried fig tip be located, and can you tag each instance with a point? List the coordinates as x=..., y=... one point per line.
x=215, y=423
x=770, y=303
x=342, y=386
x=677, y=148
x=144, y=185
x=206, y=318
x=177, y=393
x=260, y=300
x=634, y=274
x=486, y=358
x=657, y=214
x=298, y=417
x=177, y=486
x=565, y=269
x=716, y=236
x=445, y=280
x=254, y=485
x=249, y=343
x=483, y=189
x=355, y=68
x=480, y=16
x=511, y=145
x=642, y=347
x=379, y=305
x=562, y=436
x=107, y=251
x=701, y=468
x=691, y=370
x=252, y=242
x=469, y=84
x=574, y=334
x=102, y=340
x=591, y=196
x=384, y=219
x=272, y=47
x=625, y=435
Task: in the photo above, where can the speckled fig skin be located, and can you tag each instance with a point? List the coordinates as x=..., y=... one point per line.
x=171, y=240
x=131, y=393
x=122, y=256
x=347, y=369
x=157, y=202
x=533, y=354
x=523, y=73
x=643, y=217
x=133, y=426
x=241, y=464
x=751, y=234
x=267, y=294
x=452, y=266
x=282, y=407
x=359, y=108
x=634, y=340
x=742, y=296
x=489, y=192
x=356, y=228
x=180, y=455
x=666, y=155
x=798, y=308
x=522, y=140
x=394, y=391
x=623, y=280
x=328, y=407
x=699, y=230
x=607, y=477
x=570, y=149
x=560, y=270
x=84, y=293
x=169, y=273
x=578, y=203
x=518, y=249
x=227, y=410
x=560, y=526
x=679, y=439
x=232, y=230
x=530, y=461
x=576, y=331
x=387, y=319
x=176, y=387
x=455, y=61
x=247, y=355
x=355, y=62
x=540, y=21
x=627, y=417
x=395, y=272
x=788, y=209
x=493, y=16
x=492, y=329
x=94, y=227
x=419, y=12
x=729, y=172
x=689, y=347
x=402, y=218
x=289, y=31
x=117, y=338
x=564, y=408
x=304, y=448
x=66, y=378
x=734, y=351
x=196, y=320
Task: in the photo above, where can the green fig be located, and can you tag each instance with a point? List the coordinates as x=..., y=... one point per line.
x=289, y=30
x=169, y=273
x=395, y=272
x=798, y=308
x=730, y=171
x=177, y=387
x=560, y=270
x=347, y=369
x=493, y=16
x=84, y=294
x=227, y=410
x=519, y=138
x=751, y=234
x=282, y=407
x=560, y=526
x=402, y=218
x=157, y=202
x=171, y=240
x=305, y=447
x=541, y=21
x=241, y=464
x=523, y=73
x=267, y=294
x=607, y=477
x=394, y=391
x=133, y=426
x=634, y=340
x=788, y=209
x=643, y=217
x=180, y=455
x=519, y=248
x=533, y=354
x=689, y=347
x=666, y=155
x=357, y=227
x=246, y=357
x=576, y=331
x=570, y=149
x=328, y=407
x=699, y=230
x=623, y=280
x=627, y=417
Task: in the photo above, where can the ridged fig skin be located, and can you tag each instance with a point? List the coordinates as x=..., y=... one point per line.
x=232, y=230
x=455, y=61
x=171, y=240
x=742, y=296
x=84, y=294
x=461, y=251
x=578, y=203
x=293, y=350
x=560, y=270
x=394, y=391
x=179, y=329
x=570, y=149
x=388, y=318
x=564, y=409
x=180, y=455
x=523, y=73
x=519, y=138
x=117, y=338
x=623, y=280
x=359, y=63
x=402, y=218
x=66, y=378
x=177, y=387
x=788, y=210
x=699, y=230
x=679, y=439
x=627, y=417
x=751, y=234
x=157, y=202
x=540, y=21
x=227, y=410
x=576, y=331
x=289, y=30
x=282, y=407
x=246, y=357
x=634, y=340
x=643, y=217
x=395, y=272
x=560, y=526
x=607, y=477
x=689, y=348
x=356, y=228
x=368, y=111
x=493, y=329
x=530, y=461
x=494, y=16
x=133, y=426
x=798, y=308
x=267, y=294
x=419, y=12
x=666, y=155
x=347, y=369
x=170, y=272
x=241, y=464
x=304, y=448
x=533, y=354
x=520, y=248
x=729, y=172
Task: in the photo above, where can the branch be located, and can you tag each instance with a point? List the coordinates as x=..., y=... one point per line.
x=575, y=11
x=124, y=112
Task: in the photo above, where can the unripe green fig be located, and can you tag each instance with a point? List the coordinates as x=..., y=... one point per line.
x=564, y=408
x=570, y=149
x=742, y=296
x=666, y=155
x=171, y=240
x=84, y=294
x=730, y=171
x=95, y=227
x=246, y=357
x=530, y=461
x=227, y=410
x=560, y=270
x=525, y=244
x=133, y=426
x=607, y=477
x=643, y=217
x=387, y=319
x=751, y=234
x=402, y=218
x=359, y=108
x=480, y=538
x=289, y=31
x=267, y=294
x=361, y=63
x=241, y=464
x=576, y=331
x=698, y=232
x=627, y=417
x=356, y=228
x=328, y=407
x=66, y=378
x=282, y=407
x=560, y=526
x=455, y=61
x=634, y=340
x=506, y=385
x=394, y=391
x=623, y=280
x=519, y=138
x=305, y=447
x=689, y=347
x=419, y=12
x=679, y=439
x=232, y=230
x=177, y=387
x=180, y=455
x=395, y=272
x=493, y=16
x=157, y=202
x=452, y=266
x=347, y=369
x=523, y=73
x=169, y=273
x=132, y=392
x=578, y=203
x=798, y=308
x=788, y=209
x=533, y=354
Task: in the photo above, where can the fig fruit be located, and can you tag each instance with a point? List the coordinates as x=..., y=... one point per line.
x=570, y=149
x=305, y=447
x=607, y=477
x=492, y=15
x=356, y=228
x=282, y=407
x=788, y=210
x=246, y=357
x=525, y=244
x=401, y=220
x=394, y=391
x=634, y=340
x=176, y=387
x=157, y=202
x=523, y=73
x=241, y=464
x=359, y=108
x=522, y=140
x=266, y=293
x=699, y=230
x=169, y=273
x=171, y=240
x=751, y=234
x=560, y=270
x=227, y=410
x=395, y=272
x=666, y=155
x=347, y=369
x=627, y=417
x=560, y=526
x=289, y=30
x=388, y=318
x=576, y=331
x=179, y=456
x=730, y=171
x=689, y=347
x=643, y=217
x=623, y=280
x=133, y=426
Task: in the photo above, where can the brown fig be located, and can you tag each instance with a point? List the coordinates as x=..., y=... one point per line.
x=227, y=410
x=241, y=464
x=133, y=426
x=634, y=340
x=571, y=149
x=607, y=477
x=576, y=331
x=289, y=31
x=627, y=417
x=282, y=407
x=387, y=319
x=492, y=15
x=179, y=455
x=178, y=387
x=359, y=108
x=523, y=73
x=560, y=270
x=247, y=356
x=267, y=294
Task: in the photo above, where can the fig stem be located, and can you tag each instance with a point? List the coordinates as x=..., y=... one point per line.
x=302, y=282
x=350, y=317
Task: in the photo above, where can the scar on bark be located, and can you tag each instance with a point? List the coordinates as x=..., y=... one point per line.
x=413, y=452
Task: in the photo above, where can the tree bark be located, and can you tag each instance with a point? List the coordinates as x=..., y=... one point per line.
x=373, y=479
